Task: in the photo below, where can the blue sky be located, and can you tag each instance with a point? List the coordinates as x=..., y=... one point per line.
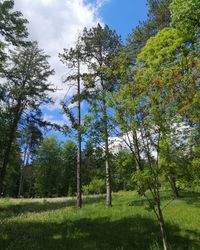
x=123, y=15
x=55, y=24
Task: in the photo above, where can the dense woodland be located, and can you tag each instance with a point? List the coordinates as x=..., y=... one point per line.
x=145, y=90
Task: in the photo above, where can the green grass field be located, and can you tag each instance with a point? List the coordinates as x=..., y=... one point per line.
x=27, y=224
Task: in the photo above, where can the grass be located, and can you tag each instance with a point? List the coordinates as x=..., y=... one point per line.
x=53, y=224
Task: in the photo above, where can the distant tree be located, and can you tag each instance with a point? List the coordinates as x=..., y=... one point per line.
x=68, y=178
x=123, y=167
x=48, y=167
x=55, y=168
x=13, y=173
x=30, y=139
x=93, y=162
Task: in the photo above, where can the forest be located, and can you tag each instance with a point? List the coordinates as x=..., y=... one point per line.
x=132, y=135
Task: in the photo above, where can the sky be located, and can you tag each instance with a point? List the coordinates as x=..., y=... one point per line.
x=55, y=24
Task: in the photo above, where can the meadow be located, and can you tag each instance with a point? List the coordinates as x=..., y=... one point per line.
x=30, y=224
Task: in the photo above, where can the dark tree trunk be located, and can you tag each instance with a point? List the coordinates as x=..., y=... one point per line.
x=6, y=160
x=174, y=187
x=8, y=148
x=21, y=183
x=79, y=193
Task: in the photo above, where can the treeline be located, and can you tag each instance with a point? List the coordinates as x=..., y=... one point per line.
x=52, y=171
x=145, y=92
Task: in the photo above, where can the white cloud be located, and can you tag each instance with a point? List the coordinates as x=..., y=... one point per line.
x=55, y=24
x=61, y=122
x=101, y=3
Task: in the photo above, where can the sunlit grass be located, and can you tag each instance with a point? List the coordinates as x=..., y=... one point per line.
x=57, y=224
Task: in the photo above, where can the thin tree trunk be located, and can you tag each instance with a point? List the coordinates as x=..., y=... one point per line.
x=79, y=194
x=162, y=228
x=24, y=164
x=137, y=151
x=108, y=185
x=21, y=182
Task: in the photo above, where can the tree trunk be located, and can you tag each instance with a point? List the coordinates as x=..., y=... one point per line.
x=174, y=187
x=162, y=230
x=6, y=157
x=161, y=221
x=21, y=182
x=108, y=186
x=136, y=151
x=24, y=164
x=79, y=194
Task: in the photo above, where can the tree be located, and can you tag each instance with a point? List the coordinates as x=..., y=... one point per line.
x=75, y=58
x=100, y=44
x=141, y=103
x=161, y=93
x=135, y=103
x=25, y=88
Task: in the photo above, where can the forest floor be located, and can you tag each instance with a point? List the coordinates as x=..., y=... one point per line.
x=51, y=224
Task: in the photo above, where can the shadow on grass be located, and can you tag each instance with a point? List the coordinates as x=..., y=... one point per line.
x=192, y=198
x=136, y=233
x=141, y=201
x=11, y=210
x=189, y=197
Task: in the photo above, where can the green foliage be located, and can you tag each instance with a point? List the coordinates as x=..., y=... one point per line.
x=161, y=50
x=92, y=163
x=123, y=167
x=159, y=13
x=186, y=16
x=96, y=186
x=68, y=174
x=12, y=28
x=55, y=168
x=12, y=177
x=12, y=25
x=151, y=103
x=48, y=166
